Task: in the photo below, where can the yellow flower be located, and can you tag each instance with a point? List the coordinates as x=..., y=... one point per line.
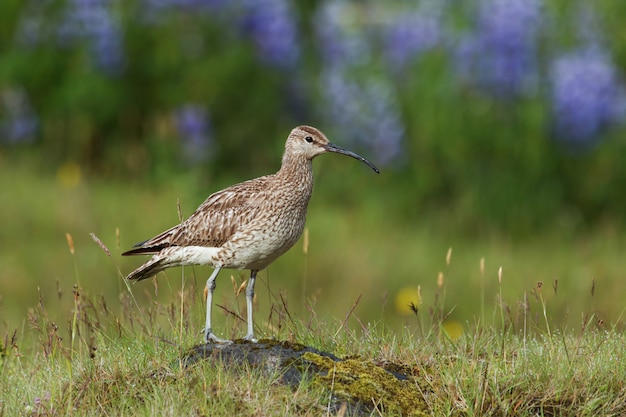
x=407, y=297
x=453, y=329
x=69, y=175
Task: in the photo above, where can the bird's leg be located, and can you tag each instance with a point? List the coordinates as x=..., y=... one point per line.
x=210, y=286
x=249, y=297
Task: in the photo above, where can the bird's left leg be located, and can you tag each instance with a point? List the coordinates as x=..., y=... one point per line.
x=249, y=297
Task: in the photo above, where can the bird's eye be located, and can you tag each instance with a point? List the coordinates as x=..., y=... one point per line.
x=309, y=139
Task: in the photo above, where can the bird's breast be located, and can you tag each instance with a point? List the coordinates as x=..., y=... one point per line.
x=270, y=234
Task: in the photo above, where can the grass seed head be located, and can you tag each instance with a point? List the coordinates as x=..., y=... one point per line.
x=70, y=242
x=593, y=287
x=242, y=287
x=99, y=242
x=305, y=241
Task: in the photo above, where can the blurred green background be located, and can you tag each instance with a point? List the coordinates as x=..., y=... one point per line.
x=498, y=126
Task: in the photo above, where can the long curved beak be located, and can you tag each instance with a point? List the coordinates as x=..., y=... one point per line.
x=330, y=147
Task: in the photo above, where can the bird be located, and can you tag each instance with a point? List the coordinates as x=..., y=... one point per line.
x=245, y=226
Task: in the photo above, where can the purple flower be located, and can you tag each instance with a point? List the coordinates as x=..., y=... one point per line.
x=338, y=38
x=500, y=55
x=30, y=29
x=589, y=28
x=94, y=22
x=153, y=11
x=193, y=4
x=19, y=123
x=37, y=23
x=586, y=95
x=194, y=127
x=366, y=113
x=357, y=99
x=410, y=35
x=272, y=27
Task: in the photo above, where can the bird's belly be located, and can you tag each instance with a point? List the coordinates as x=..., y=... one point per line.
x=256, y=248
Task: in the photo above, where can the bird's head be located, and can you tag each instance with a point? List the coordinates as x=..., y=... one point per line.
x=309, y=142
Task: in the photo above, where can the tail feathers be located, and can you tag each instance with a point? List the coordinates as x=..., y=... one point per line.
x=149, y=269
x=154, y=245
x=173, y=256
x=143, y=250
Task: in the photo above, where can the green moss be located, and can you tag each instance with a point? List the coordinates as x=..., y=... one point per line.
x=365, y=382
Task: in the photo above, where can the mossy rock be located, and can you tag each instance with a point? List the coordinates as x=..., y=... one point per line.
x=363, y=384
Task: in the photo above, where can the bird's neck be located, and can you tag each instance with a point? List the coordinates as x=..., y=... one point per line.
x=297, y=171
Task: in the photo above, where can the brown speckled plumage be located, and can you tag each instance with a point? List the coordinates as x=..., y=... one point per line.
x=245, y=226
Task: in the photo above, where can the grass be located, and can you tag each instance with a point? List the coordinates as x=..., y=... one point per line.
x=102, y=362
x=485, y=337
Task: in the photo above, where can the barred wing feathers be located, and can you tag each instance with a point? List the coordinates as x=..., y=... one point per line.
x=217, y=219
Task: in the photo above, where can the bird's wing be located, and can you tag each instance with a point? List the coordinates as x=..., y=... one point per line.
x=219, y=217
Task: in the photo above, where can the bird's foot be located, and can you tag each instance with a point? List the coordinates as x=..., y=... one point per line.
x=250, y=338
x=209, y=337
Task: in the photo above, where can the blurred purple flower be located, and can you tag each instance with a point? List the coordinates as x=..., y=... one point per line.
x=588, y=26
x=586, y=95
x=30, y=29
x=365, y=113
x=194, y=127
x=337, y=37
x=93, y=21
x=362, y=104
x=271, y=25
x=501, y=54
x=410, y=35
x=154, y=11
x=191, y=4
x=37, y=22
x=19, y=123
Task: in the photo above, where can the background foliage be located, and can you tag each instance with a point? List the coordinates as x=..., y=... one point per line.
x=505, y=109
x=488, y=118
